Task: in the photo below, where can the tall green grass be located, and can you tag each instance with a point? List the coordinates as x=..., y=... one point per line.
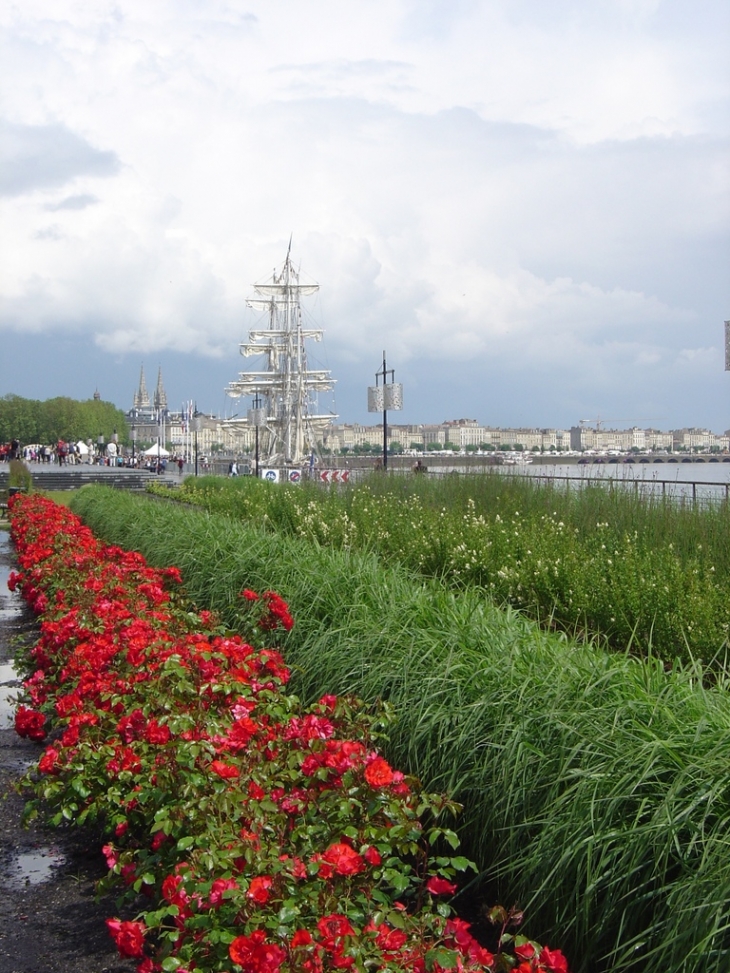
x=596, y=786
x=638, y=572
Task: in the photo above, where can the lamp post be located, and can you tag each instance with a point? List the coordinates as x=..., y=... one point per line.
x=196, y=428
x=134, y=441
x=257, y=418
x=389, y=395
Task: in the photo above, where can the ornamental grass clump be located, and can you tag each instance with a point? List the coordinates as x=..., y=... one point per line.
x=595, y=785
x=638, y=572
x=247, y=831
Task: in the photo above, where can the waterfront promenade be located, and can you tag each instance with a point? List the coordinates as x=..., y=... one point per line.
x=47, y=476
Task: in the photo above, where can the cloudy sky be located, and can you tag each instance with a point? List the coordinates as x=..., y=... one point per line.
x=526, y=203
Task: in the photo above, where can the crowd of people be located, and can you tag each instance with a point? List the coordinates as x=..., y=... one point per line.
x=70, y=454
x=9, y=450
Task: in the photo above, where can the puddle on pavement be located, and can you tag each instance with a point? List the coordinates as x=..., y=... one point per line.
x=31, y=867
x=9, y=686
x=11, y=604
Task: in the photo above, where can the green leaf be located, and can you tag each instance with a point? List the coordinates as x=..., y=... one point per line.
x=288, y=912
x=184, y=843
x=441, y=956
x=399, y=881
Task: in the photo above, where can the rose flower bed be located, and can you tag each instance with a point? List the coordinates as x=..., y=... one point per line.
x=248, y=832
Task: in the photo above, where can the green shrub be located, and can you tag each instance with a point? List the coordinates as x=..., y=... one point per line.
x=19, y=475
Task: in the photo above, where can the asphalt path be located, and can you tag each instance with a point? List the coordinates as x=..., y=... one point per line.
x=50, y=921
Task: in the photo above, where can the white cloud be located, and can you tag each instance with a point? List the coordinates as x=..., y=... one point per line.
x=535, y=182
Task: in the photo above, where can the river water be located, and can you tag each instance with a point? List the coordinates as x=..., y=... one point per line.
x=700, y=483
x=684, y=482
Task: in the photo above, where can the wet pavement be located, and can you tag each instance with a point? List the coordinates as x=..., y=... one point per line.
x=50, y=921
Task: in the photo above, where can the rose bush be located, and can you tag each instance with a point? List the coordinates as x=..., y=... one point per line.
x=248, y=831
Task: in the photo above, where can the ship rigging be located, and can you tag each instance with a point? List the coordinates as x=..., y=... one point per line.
x=285, y=391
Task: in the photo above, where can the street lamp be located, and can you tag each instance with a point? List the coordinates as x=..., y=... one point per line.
x=389, y=395
x=134, y=442
x=196, y=429
x=257, y=418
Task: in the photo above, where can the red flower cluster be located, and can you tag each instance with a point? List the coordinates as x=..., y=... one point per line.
x=242, y=814
x=128, y=936
x=275, y=612
x=30, y=723
x=255, y=955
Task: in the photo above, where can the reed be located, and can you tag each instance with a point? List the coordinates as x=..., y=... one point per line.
x=595, y=785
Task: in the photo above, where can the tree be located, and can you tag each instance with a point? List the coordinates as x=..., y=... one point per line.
x=18, y=419
x=33, y=421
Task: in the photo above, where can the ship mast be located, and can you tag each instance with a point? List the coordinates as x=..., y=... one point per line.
x=286, y=389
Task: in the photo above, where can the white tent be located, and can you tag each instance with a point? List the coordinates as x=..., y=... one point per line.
x=156, y=451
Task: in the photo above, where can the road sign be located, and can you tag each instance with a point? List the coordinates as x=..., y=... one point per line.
x=334, y=476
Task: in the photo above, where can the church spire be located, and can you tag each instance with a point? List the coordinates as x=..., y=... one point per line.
x=160, y=393
x=142, y=397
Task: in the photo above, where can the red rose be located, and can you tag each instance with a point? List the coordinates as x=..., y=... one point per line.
x=379, y=773
x=525, y=951
x=553, y=960
x=255, y=955
x=344, y=859
x=47, y=763
x=219, y=886
x=390, y=940
x=30, y=723
x=372, y=856
x=224, y=770
x=157, y=733
x=128, y=936
x=332, y=928
x=258, y=890
x=439, y=886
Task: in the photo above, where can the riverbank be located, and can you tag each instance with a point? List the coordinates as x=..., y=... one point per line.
x=49, y=919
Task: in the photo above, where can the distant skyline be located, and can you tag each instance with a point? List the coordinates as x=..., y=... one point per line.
x=526, y=204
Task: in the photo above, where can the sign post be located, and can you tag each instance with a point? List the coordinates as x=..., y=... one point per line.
x=389, y=395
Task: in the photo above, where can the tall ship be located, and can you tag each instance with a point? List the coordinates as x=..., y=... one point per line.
x=285, y=390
